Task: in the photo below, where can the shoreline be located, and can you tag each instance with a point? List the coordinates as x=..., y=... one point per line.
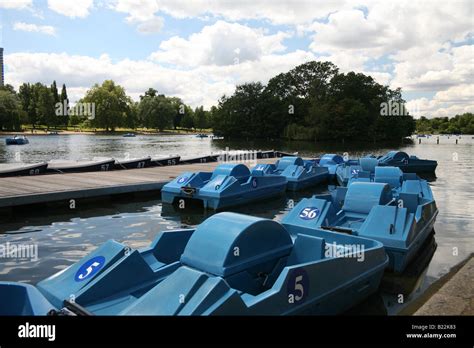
x=70, y=132
x=439, y=298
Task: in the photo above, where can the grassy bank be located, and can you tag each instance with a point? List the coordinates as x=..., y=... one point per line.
x=42, y=130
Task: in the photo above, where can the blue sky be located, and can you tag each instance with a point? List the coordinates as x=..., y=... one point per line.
x=199, y=50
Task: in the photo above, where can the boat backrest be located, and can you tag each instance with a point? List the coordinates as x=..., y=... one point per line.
x=396, y=156
x=286, y=161
x=410, y=201
x=238, y=171
x=167, y=247
x=263, y=169
x=306, y=249
x=362, y=196
x=412, y=186
x=368, y=164
x=338, y=196
x=228, y=243
x=410, y=176
x=389, y=175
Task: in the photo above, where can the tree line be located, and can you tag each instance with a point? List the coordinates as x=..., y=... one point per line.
x=459, y=124
x=40, y=105
x=33, y=104
x=313, y=101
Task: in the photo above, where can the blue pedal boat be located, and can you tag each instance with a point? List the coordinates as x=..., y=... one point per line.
x=300, y=174
x=231, y=264
x=17, y=140
x=408, y=164
x=396, y=179
x=331, y=162
x=229, y=185
x=362, y=168
x=401, y=217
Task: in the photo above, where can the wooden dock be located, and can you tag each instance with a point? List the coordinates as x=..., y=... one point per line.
x=27, y=190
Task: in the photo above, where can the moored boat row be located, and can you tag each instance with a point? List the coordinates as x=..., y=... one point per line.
x=96, y=165
x=328, y=254
x=234, y=184
x=343, y=169
x=106, y=164
x=10, y=169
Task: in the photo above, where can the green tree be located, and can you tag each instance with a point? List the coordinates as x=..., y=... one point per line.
x=306, y=103
x=111, y=105
x=45, y=107
x=238, y=115
x=180, y=109
x=156, y=111
x=298, y=88
x=63, y=98
x=187, y=117
x=200, y=118
x=54, y=90
x=8, y=88
x=10, y=110
x=131, y=117
x=27, y=100
x=463, y=124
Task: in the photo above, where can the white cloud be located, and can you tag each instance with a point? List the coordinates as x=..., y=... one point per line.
x=393, y=25
x=349, y=30
x=72, y=9
x=277, y=12
x=15, y=4
x=201, y=85
x=150, y=26
x=452, y=101
x=426, y=68
x=137, y=10
x=416, y=45
x=220, y=44
x=44, y=29
x=142, y=14
x=420, y=44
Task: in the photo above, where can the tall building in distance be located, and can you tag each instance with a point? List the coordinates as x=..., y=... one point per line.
x=2, y=81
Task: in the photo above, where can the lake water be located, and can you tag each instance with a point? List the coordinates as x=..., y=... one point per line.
x=65, y=237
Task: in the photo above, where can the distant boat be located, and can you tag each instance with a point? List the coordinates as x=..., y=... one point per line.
x=17, y=140
x=202, y=136
x=53, y=133
x=129, y=135
x=132, y=163
x=100, y=165
x=164, y=161
x=22, y=169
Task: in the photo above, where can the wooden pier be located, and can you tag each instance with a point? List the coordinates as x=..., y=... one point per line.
x=27, y=190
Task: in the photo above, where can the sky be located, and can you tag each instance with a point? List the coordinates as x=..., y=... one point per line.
x=200, y=50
